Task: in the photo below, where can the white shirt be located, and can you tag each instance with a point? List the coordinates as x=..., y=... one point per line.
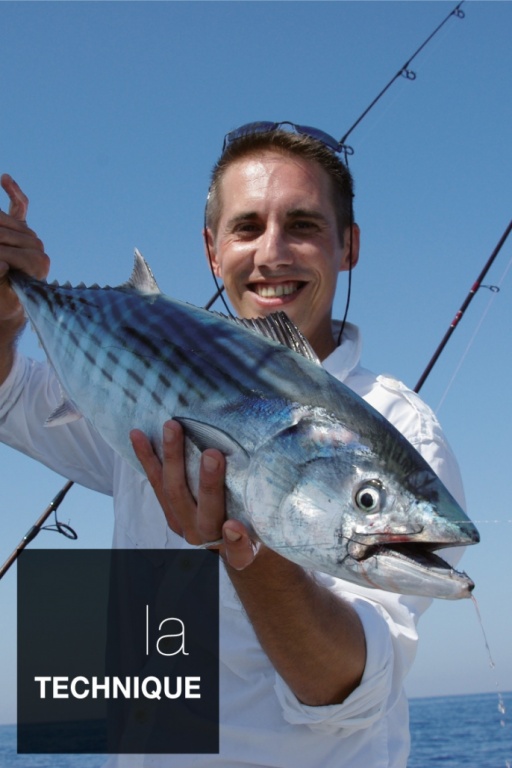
x=261, y=721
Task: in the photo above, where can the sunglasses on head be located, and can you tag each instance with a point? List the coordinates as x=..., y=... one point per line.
x=266, y=127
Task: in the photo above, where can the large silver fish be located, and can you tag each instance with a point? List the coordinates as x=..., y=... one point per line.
x=313, y=470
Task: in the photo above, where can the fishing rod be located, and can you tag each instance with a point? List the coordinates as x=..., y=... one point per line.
x=404, y=71
x=66, y=530
x=458, y=317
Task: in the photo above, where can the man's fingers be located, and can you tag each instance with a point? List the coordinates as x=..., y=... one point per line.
x=211, y=511
x=198, y=522
x=20, y=247
x=153, y=468
x=176, y=489
x=201, y=521
x=148, y=459
x=18, y=201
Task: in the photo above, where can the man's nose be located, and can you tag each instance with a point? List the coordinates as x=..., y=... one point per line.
x=273, y=249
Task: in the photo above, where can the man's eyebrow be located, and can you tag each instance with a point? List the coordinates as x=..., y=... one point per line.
x=239, y=217
x=308, y=213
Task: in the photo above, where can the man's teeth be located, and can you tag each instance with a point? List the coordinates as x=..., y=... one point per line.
x=274, y=291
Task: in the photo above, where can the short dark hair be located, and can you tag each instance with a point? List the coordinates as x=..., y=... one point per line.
x=301, y=145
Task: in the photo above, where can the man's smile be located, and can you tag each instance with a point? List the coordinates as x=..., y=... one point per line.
x=276, y=290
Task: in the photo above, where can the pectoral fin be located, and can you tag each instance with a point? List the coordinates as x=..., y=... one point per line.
x=207, y=436
x=65, y=413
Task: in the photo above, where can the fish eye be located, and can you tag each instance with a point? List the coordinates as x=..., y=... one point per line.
x=368, y=498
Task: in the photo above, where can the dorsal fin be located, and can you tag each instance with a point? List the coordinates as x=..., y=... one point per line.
x=278, y=327
x=142, y=278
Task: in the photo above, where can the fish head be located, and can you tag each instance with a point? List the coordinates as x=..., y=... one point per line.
x=324, y=498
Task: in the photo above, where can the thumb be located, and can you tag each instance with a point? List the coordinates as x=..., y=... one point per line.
x=239, y=549
x=18, y=201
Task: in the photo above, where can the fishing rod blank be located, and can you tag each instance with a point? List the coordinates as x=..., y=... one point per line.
x=404, y=71
x=474, y=288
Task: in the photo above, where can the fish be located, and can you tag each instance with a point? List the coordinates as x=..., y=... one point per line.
x=314, y=472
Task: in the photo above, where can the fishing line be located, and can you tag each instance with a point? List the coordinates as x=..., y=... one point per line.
x=469, y=298
x=494, y=289
x=350, y=258
x=220, y=288
x=349, y=292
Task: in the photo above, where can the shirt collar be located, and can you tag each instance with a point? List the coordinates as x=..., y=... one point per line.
x=342, y=361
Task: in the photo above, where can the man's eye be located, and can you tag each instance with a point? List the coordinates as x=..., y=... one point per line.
x=247, y=227
x=304, y=224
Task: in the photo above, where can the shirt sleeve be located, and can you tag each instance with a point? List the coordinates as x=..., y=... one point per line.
x=370, y=701
x=76, y=451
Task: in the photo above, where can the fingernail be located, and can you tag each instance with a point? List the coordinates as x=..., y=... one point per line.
x=232, y=535
x=169, y=434
x=210, y=463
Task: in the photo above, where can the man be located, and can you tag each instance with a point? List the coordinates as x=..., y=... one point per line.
x=311, y=667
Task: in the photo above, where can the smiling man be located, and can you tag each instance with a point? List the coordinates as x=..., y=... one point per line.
x=280, y=228
x=277, y=244
x=311, y=667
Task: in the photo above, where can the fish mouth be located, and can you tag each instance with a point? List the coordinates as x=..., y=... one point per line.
x=422, y=557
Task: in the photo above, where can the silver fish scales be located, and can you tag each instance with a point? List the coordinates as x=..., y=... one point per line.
x=313, y=470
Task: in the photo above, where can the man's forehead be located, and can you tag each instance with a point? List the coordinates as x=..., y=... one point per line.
x=251, y=162
x=263, y=173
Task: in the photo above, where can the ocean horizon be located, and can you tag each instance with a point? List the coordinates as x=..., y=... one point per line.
x=463, y=731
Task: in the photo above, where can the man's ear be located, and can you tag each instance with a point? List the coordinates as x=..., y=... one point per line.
x=209, y=249
x=351, y=240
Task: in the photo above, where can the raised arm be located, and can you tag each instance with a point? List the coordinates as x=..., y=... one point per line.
x=22, y=249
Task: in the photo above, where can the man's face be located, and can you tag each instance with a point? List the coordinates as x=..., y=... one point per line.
x=277, y=245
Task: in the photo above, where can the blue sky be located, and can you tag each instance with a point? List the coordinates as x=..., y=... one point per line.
x=111, y=116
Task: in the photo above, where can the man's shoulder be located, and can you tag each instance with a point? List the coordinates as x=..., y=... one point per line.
x=397, y=403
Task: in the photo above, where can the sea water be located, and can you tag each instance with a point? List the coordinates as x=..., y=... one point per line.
x=449, y=731
x=459, y=731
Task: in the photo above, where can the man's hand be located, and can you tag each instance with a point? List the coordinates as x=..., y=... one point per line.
x=199, y=522
x=22, y=249
x=313, y=639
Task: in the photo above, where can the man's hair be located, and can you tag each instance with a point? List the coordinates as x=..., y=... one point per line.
x=287, y=143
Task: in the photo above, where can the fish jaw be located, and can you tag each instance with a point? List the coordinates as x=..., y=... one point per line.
x=411, y=570
x=318, y=525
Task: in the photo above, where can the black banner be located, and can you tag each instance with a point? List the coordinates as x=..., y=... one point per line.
x=118, y=651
